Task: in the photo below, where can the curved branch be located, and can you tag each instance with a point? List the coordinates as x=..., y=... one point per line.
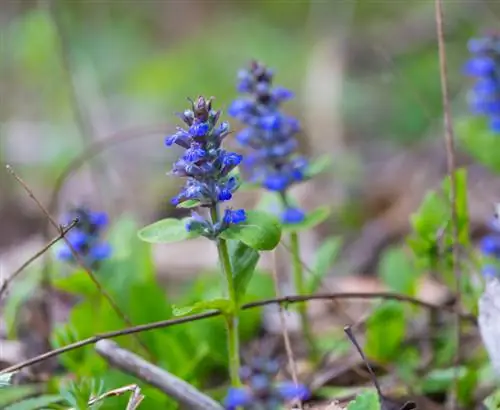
x=192, y=318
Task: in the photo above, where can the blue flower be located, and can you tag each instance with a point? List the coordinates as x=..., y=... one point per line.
x=489, y=246
x=484, y=65
x=205, y=164
x=85, y=238
x=234, y=217
x=237, y=397
x=290, y=391
x=293, y=216
x=269, y=134
x=261, y=391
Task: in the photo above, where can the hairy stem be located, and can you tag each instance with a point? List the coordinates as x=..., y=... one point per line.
x=233, y=337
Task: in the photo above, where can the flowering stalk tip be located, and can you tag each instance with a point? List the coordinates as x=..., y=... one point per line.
x=484, y=65
x=206, y=166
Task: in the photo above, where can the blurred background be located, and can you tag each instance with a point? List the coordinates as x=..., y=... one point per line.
x=104, y=78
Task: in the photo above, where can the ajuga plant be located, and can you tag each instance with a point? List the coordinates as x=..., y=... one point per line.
x=272, y=160
x=484, y=65
x=210, y=175
x=260, y=391
x=86, y=237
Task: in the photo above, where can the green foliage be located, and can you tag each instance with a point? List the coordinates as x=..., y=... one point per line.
x=78, y=394
x=36, y=403
x=260, y=231
x=224, y=305
x=385, y=331
x=492, y=402
x=167, y=230
x=244, y=261
x=398, y=272
x=14, y=394
x=368, y=400
x=475, y=135
x=432, y=237
x=311, y=220
x=323, y=260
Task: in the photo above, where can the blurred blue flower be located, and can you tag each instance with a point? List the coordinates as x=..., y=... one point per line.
x=85, y=237
x=260, y=391
x=484, y=65
x=207, y=167
x=269, y=134
x=489, y=246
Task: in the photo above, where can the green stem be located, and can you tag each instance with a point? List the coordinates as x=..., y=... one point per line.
x=233, y=338
x=298, y=278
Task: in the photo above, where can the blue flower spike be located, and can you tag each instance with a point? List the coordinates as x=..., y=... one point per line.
x=260, y=391
x=85, y=237
x=206, y=166
x=269, y=135
x=484, y=66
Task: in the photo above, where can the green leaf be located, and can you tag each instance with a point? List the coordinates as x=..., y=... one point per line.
x=325, y=256
x=368, y=400
x=385, y=331
x=476, y=137
x=440, y=380
x=260, y=231
x=224, y=305
x=243, y=260
x=5, y=379
x=35, y=403
x=190, y=203
x=166, y=231
x=319, y=165
x=492, y=402
x=310, y=221
x=14, y=394
x=398, y=272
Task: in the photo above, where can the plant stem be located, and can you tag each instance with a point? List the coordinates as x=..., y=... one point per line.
x=298, y=279
x=233, y=337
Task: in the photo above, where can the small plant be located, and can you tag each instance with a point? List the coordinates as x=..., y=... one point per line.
x=85, y=237
x=273, y=161
x=260, y=391
x=211, y=180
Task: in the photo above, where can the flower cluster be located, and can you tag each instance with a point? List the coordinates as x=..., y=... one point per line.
x=490, y=248
x=273, y=161
x=484, y=65
x=85, y=237
x=260, y=392
x=207, y=167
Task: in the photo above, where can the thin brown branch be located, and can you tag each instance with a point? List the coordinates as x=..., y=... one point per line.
x=13, y=276
x=77, y=257
x=450, y=156
x=284, y=329
x=192, y=318
x=184, y=393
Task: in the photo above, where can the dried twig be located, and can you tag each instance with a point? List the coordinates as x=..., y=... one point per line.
x=450, y=156
x=192, y=318
x=134, y=401
x=136, y=366
x=286, y=337
x=7, y=281
x=77, y=257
